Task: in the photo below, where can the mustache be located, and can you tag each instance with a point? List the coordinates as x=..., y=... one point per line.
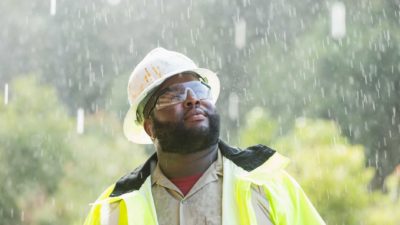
x=195, y=111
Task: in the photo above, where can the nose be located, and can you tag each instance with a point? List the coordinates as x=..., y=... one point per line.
x=191, y=99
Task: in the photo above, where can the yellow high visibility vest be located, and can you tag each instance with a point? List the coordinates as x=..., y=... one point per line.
x=288, y=203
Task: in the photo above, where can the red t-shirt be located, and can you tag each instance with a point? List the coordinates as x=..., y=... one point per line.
x=186, y=183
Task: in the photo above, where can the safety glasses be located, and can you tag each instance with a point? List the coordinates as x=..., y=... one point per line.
x=177, y=93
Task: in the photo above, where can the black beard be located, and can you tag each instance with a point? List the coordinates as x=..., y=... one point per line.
x=174, y=137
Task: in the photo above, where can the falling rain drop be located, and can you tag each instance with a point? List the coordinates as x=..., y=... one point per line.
x=52, y=7
x=338, y=20
x=22, y=216
x=233, y=106
x=113, y=2
x=393, y=116
x=80, y=121
x=6, y=94
x=240, y=33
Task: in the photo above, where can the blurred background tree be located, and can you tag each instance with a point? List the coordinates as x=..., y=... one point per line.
x=48, y=172
x=99, y=158
x=328, y=167
x=34, y=146
x=354, y=80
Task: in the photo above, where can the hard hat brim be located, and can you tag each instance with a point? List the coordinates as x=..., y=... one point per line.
x=135, y=132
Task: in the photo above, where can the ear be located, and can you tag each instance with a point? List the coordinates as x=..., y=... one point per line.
x=148, y=127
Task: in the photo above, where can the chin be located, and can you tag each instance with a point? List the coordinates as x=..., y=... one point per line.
x=187, y=137
x=197, y=124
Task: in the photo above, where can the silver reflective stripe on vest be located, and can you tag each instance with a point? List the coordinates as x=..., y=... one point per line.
x=140, y=205
x=109, y=213
x=105, y=214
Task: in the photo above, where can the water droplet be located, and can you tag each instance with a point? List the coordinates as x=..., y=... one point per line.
x=240, y=33
x=338, y=20
x=52, y=7
x=5, y=94
x=80, y=121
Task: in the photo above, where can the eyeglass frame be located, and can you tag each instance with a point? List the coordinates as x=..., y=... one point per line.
x=142, y=113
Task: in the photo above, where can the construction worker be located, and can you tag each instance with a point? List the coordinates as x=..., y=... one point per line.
x=194, y=177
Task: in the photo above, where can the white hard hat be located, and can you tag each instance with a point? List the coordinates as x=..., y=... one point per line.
x=152, y=71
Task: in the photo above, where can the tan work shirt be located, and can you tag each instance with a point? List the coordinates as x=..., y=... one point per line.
x=203, y=203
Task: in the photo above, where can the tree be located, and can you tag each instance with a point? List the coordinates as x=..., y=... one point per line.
x=330, y=170
x=354, y=81
x=327, y=166
x=100, y=156
x=45, y=167
x=34, y=145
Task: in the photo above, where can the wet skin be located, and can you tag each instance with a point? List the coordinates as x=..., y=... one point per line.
x=193, y=112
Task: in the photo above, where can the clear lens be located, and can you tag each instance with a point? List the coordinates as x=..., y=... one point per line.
x=178, y=93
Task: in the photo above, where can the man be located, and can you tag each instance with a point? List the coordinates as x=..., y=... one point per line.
x=194, y=177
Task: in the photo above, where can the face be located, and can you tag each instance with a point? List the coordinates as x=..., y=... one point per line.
x=189, y=126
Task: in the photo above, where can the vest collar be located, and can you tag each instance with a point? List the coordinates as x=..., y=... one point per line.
x=248, y=159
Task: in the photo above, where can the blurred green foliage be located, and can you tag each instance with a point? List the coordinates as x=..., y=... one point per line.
x=328, y=167
x=34, y=146
x=100, y=156
x=385, y=209
x=50, y=174
x=353, y=80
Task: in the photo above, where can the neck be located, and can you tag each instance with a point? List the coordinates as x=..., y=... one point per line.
x=176, y=165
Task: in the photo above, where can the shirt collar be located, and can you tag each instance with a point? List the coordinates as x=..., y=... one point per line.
x=211, y=174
